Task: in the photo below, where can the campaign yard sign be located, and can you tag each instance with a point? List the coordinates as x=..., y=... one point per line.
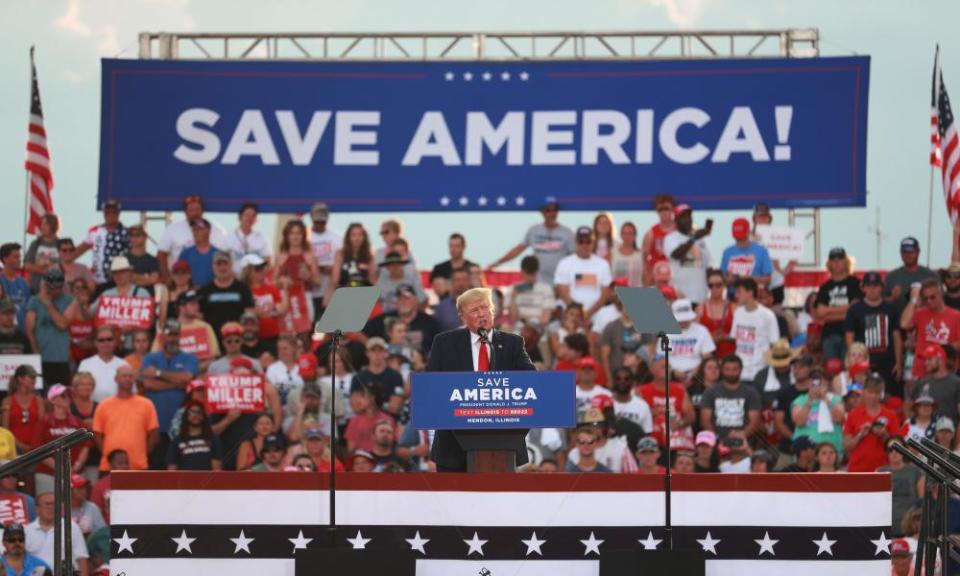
x=492, y=400
x=226, y=392
x=782, y=242
x=125, y=311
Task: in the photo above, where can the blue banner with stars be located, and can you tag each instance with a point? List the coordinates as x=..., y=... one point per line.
x=484, y=136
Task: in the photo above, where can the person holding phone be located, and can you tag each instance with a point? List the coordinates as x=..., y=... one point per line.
x=688, y=253
x=867, y=428
x=818, y=413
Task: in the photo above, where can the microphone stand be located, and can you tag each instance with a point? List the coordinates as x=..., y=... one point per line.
x=668, y=522
x=334, y=349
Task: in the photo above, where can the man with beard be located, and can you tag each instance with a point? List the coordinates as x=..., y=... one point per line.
x=732, y=406
x=626, y=404
x=421, y=327
x=689, y=254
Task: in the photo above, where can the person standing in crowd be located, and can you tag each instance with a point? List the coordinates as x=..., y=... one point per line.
x=586, y=440
x=71, y=269
x=164, y=376
x=692, y=346
x=732, y=406
x=923, y=422
x=680, y=410
x=939, y=382
x=930, y=320
x=550, y=241
x=386, y=382
x=834, y=298
x=530, y=299
x=199, y=255
x=900, y=281
x=818, y=414
x=457, y=246
x=951, y=285
x=16, y=560
x=272, y=301
x=250, y=451
x=107, y=240
x=873, y=321
x=23, y=412
x=100, y=495
x=190, y=320
x=652, y=247
x=627, y=259
x=583, y=277
x=271, y=455
x=706, y=460
x=126, y=421
x=84, y=512
x=324, y=243
x=605, y=236
x=445, y=312
x=40, y=537
x=628, y=405
x=745, y=258
x=366, y=415
x=197, y=447
x=43, y=252
x=231, y=334
x=295, y=261
x=80, y=318
x=246, y=240
x=907, y=482
x=284, y=374
x=689, y=256
x=804, y=371
x=354, y=264
x=754, y=328
x=47, y=327
x=587, y=388
x=57, y=423
x=12, y=340
x=776, y=375
x=226, y=298
x=15, y=288
x=763, y=217
x=827, y=459
x=866, y=429
x=716, y=314
x=103, y=365
x=146, y=267
x=392, y=279
x=179, y=235
x=421, y=327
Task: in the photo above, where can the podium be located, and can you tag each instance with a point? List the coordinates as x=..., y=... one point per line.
x=488, y=414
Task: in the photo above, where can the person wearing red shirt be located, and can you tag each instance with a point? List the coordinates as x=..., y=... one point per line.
x=681, y=409
x=867, y=428
x=272, y=300
x=100, y=494
x=58, y=423
x=652, y=247
x=931, y=319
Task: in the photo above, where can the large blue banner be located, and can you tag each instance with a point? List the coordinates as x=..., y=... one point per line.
x=494, y=136
x=492, y=400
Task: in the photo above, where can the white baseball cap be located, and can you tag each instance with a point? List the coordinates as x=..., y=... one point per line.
x=683, y=310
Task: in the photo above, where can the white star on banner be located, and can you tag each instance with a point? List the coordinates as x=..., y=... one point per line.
x=482, y=201
x=444, y=201
x=468, y=76
x=709, y=543
x=591, y=544
x=417, y=543
x=501, y=200
x=650, y=543
x=505, y=76
x=241, y=543
x=300, y=543
x=824, y=545
x=533, y=544
x=359, y=542
x=487, y=76
x=767, y=544
x=184, y=542
x=475, y=544
x=521, y=200
x=125, y=542
x=448, y=76
x=464, y=200
x=883, y=545
x=524, y=76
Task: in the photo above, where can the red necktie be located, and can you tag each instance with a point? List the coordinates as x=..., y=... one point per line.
x=483, y=361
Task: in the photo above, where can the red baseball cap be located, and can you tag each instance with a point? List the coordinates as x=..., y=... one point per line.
x=859, y=368
x=242, y=362
x=669, y=292
x=588, y=362
x=231, y=329
x=900, y=547
x=741, y=229
x=932, y=350
x=307, y=362
x=195, y=384
x=833, y=367
x=78, y=481
x=681, y=208
x=602, y=402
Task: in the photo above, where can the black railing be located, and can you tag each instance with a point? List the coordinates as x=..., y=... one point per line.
x=942, y=468
x=59, y=450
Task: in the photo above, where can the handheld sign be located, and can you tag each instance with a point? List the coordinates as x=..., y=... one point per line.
x=196, y=340
x=226, y=392
x=492, y=400
x=783, y=243
x=125, y=311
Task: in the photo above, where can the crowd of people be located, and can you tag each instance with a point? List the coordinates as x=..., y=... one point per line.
x=143, y=347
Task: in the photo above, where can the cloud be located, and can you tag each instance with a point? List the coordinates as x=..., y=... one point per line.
x=73, y=77
x=106, y=24
x=683, y=13
x=71, y=22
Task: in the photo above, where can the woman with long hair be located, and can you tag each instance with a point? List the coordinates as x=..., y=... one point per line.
x=857, y=353
x=707, y=375
x=716, y=314
x=23, y=412
x=571, y=322
x=353, y=264
x=605, y=235
x=627, y=259
x=272, y=301
x=296, y=259
x=197, y=447
x=80, y=322
x=248, y=455
x=828, y=460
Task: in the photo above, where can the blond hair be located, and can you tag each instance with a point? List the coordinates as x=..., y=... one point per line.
x=475, y=295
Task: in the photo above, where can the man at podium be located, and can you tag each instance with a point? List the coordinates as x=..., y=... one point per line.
x=474, y=347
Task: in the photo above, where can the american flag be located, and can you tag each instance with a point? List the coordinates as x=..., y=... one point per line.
x=944, y=141
x=38, y=158
x=250, y=524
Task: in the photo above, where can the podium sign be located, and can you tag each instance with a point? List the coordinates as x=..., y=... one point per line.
x=492, y=400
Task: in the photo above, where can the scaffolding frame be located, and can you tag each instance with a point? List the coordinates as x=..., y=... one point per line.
x=494, y=46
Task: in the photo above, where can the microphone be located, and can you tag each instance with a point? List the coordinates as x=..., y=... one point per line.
x=482, y=332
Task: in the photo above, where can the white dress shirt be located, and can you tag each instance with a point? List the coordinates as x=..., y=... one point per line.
x=475, y=348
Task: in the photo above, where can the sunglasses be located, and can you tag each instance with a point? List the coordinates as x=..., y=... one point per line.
x=14, y=540
x=104, y=339
x=196, y=412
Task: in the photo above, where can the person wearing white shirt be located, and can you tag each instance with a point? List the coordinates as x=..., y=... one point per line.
x=584, y=277
x=754, y=328
x=689, y=255
x=179, y=235
x=103, y=365
x=692, y=345
x=39, y=536
x=324, y=243
x=245, y=240
x=628, y=405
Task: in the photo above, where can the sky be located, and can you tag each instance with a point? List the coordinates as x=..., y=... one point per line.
x=72, y=36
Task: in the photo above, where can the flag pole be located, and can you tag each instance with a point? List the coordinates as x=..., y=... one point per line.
x=929, y=246
x=935, y=109
x=26, y=190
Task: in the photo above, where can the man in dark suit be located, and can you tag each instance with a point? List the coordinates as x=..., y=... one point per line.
x=474, y=347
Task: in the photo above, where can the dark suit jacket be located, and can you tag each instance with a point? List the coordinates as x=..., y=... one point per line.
x=452, y=352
